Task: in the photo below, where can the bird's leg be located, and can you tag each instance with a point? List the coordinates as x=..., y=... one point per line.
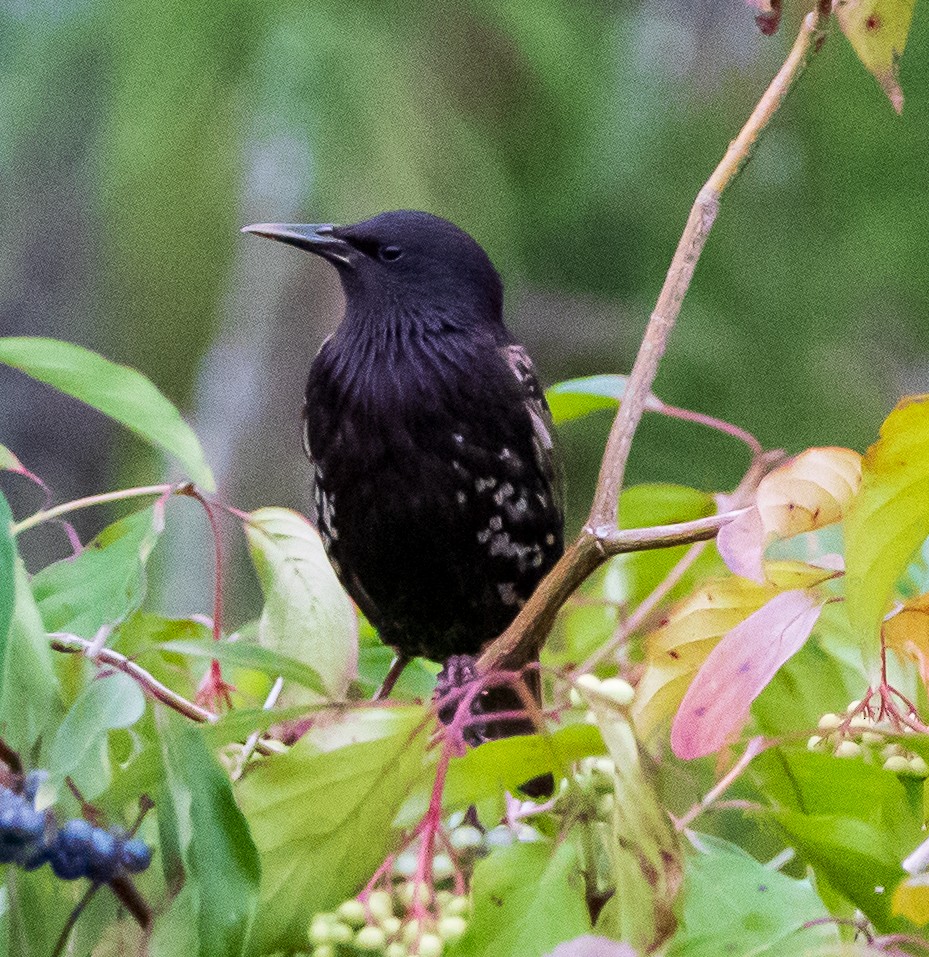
x=393, y=673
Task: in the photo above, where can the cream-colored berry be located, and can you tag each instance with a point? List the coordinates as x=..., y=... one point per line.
x=871, y=737
x=605, y=805
x=618, y=690
x=442, y=867
x=576, y=700
x=457, y=906
x=466, y=838
x=829, y=721
x=381, y=905
x=370, y=938
x=588, y=682
x=352, y=912
x=815, y=743
x=451, y=928
x=918, y=765
x=396, y=949
x=340, y=933
x=321, y=931
x=848, y=749
x=430, y=945
x=324, y=950
x=406, y=863
x=891, y=750
x=860, y=722
x=391, y=926
x=896, y=763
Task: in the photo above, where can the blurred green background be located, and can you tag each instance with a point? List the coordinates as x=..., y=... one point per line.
x=137, y=136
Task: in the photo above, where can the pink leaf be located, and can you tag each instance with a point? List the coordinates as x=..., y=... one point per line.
x=590, y=946
x=741, y=544
x=738, y=669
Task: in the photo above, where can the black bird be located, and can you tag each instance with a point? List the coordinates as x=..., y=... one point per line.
x=436, y=485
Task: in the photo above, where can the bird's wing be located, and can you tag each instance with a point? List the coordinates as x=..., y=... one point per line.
x=543, y=429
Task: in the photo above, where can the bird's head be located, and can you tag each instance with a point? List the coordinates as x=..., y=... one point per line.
x=409, y=262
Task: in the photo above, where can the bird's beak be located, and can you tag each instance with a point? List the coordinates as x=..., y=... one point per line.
x=313, y=237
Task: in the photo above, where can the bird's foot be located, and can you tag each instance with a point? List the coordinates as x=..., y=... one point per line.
x=455, y=684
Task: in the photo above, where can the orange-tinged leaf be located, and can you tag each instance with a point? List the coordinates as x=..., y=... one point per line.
x=911, y=899
x=877, y=31
x=888, y=519
x=692, y=629
x=810, y=491
x=738, y=669
x=907, y=632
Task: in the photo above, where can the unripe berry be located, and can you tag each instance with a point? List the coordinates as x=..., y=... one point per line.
x=406, y=863
x=500, y=836
x=815, y=743
x=860, y=722
x=457, y=906
x=829, y=721
x=466, y=838
x=605, y=766
x=396, y=949
x=605, y=805
x=340, y=933
x=451, y=928
x=411, y=930
x=576, y=700
x=380, y=905
x=412, y=891
x=430, y=945
x=352, y=912
x=918, y=765
x=442, y=867
x=391, y=926
x=618, y=690
x=324, y=950
x=871, y=737
x=896, y=763
x=320, y=931
x=370, y=938
x=848, y=749
x=891, y=750
x=587, y=682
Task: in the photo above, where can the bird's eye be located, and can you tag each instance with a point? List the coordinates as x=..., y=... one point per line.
x=390, y=253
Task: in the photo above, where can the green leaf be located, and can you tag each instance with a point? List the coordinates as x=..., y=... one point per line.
x=174, y=930
x=733, y=904
x=322, y=824
x=854, y=858
x=115, y=390
x=29, y=688
x=307, y=615
x=7, y=574
x=576, y=398
x=888, y=519
x=79, y=750
x=527, y=899
x=105, y=583
x=877, y=31
x=219, y=853
x=503, y=765
x=242, y=654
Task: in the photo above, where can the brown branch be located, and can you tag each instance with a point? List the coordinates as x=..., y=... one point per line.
x=601, y=536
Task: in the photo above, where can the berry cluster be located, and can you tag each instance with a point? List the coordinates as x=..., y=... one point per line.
x=597, y=776
x=853, y=735
x=383, y=924
x=31, y=838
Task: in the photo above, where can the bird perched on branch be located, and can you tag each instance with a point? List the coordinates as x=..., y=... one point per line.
x=436, y=484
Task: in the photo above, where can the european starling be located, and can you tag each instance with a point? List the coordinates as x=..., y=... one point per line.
x=436, y=486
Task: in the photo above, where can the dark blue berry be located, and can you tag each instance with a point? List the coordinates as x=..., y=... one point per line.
x=135, y=855
x=103, y=856
x=8, y=851
x=74, y=837
x=34, y=856
x=66, y=865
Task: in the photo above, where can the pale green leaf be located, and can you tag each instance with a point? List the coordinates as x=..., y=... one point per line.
x=733, y=904
x=576, y=398
x=528, y=898
x=103, y=584
x=218, y=850
x=29, y=687
x=888, y=519
x=110, y=701
x=322, y=824
x=307, y=615
x=115, y=390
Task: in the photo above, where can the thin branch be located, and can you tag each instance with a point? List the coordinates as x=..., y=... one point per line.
x=72, y=644
x=680, y=273
x=521, y=641
x=66, y=507
x=711, y=422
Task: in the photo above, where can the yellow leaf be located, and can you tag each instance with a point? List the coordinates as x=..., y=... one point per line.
x=911, y=899
x=808, y=492
x=908, y=633
x=877, y=31
x=677, y=648
x=888, y=519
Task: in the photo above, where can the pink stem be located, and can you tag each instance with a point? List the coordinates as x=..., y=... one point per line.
x=711, y=422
